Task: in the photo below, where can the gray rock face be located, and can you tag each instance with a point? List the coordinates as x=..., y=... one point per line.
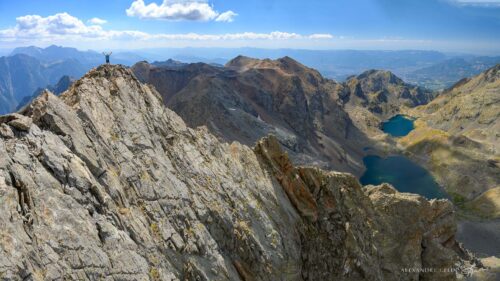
x=108, y=184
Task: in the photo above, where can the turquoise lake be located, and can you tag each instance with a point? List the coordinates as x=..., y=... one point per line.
x=401, y=173
x=398, y=126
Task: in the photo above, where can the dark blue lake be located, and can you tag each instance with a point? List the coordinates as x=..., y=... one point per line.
x=398, y=126
x=401, y=173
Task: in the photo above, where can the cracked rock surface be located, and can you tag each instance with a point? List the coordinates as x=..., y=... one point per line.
x=105, y=183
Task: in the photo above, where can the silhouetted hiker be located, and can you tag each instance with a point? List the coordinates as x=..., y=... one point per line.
x=107, y=56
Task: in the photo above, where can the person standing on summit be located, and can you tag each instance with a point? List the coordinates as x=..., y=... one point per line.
x=107, y=55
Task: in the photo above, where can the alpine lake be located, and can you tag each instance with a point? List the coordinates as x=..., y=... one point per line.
x=398, y=170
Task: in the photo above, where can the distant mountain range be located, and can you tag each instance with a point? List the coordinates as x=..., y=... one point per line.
x=26, y=69
x=446, y=73
x=21, y=75
x=88, y=58
x=432, y=69
x=337, y=64
x=64, y=83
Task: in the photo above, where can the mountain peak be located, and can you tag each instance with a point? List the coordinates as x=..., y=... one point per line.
x=383, y=93
x=240, y=62
x=112, y=85
x=23, y=50
x=285, y=65
x=381, y=75
x=53, y=46
x=108, y=73
x=288, y=60
x=492, y=73
x=291, y=64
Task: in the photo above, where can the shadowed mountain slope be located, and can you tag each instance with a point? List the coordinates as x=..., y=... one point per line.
x=249, y=99
x=318, y=120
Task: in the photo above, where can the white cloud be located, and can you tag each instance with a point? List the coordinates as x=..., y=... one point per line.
x=61, y=24
x=275, y=35
x=321, y=36
x=64, y=25
x=63, y=28
x=226, y=16
x=97, y=21
x=194, y=10
x=481, y=3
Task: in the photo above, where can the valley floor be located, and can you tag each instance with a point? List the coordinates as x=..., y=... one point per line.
x=482, y=237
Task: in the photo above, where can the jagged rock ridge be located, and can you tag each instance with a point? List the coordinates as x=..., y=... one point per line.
x=104, y=182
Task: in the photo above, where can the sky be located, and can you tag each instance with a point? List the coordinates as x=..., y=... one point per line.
x=468, y=26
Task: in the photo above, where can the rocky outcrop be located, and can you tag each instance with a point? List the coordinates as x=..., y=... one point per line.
x=429, y=227
x=105, y=183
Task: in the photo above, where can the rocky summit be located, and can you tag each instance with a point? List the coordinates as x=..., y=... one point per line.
x=105, y=183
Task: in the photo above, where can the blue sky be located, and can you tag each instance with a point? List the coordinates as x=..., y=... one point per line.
x=448, y=25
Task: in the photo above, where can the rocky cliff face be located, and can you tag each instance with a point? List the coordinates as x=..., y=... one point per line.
x=104, y=182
